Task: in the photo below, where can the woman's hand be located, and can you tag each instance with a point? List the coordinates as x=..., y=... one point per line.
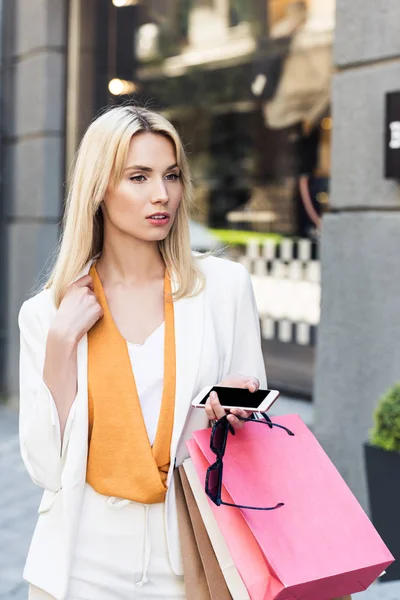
x=78, y=312
x=215, y=411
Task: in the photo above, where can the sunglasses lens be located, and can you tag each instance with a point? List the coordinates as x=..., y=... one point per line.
x=213, y=482
x=219, y=438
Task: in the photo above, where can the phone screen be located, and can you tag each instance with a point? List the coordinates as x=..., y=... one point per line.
x=240, y=398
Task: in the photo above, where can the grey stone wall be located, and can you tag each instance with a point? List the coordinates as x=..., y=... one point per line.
x=366, y=30
x=358, y=356
x=34, y=153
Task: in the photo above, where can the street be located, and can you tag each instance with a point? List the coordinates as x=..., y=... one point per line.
x=290, y=367
x=19, y=499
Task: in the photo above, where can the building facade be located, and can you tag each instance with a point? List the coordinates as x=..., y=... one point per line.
x=33, y=147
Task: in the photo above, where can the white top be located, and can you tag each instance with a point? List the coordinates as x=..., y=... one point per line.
x=147, y=362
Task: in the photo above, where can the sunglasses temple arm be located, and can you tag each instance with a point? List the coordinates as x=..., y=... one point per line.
x=252, y=507
x=268, y=422
x=266, y=417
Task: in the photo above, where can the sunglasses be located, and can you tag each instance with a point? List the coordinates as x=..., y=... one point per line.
x=218, y=440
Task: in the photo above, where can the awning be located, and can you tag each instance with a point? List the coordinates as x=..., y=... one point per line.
x=303, y=92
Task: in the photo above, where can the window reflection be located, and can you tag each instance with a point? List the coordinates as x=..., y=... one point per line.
x=247, y=83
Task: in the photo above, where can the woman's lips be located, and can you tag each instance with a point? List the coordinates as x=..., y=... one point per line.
x=159, y=220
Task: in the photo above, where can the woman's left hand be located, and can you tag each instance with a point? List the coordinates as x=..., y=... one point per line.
x=213, y=407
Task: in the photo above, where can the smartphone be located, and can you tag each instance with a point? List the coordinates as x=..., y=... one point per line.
x=229, y=397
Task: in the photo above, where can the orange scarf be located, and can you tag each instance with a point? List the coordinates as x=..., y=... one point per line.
x=121, y=461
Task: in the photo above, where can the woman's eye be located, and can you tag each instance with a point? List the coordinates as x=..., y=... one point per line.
x=138, y=178
x=173, y=177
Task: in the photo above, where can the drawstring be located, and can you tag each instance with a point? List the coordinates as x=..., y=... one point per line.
x=146, y=547
x=114, y=502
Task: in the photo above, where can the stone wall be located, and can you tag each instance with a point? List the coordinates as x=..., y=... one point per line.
x=34, y=152
x=358, y=355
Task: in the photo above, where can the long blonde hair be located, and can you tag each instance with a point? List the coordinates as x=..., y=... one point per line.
x=100, y=162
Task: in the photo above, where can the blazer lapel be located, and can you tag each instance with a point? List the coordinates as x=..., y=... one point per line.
x=189, y=316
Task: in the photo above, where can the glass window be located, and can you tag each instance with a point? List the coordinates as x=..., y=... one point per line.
x=247, y=83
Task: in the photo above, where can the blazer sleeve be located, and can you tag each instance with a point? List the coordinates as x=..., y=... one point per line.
x=39, y=426
x=247, y=355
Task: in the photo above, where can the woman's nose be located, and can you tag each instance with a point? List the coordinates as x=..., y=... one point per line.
x=160, y=193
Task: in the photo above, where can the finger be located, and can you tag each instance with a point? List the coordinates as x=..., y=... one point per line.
x=237, y=424
x=239, y=412
x=252, y=384
x=209, y=410
x=219, y=412
x=210, y=405
x=99, y=311
x=85, y=281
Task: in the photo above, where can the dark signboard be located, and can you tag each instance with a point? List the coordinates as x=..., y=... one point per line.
x=392, y=129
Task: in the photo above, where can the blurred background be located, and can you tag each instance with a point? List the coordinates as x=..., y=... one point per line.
x=290, y=112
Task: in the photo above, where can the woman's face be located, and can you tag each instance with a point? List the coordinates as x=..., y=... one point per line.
x=144, y=202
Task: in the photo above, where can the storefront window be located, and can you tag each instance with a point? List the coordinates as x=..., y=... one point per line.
x=247, y=83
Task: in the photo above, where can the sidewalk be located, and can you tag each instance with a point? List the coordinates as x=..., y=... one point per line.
x=19, y=499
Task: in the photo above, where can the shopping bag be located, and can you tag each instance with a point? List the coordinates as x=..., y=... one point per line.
x=320, y=544
x=232, y=577
x=195, y=580
x=202, y=574
x=231, y=525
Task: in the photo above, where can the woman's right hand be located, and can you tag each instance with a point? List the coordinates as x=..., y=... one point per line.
x=78, y=312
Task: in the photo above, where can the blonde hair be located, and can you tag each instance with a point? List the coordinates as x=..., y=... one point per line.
x=99, y=163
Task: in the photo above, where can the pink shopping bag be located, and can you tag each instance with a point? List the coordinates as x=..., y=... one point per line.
x=243, y=547
x=320, y=544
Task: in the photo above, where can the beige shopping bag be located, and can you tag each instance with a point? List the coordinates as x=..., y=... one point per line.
x=202, y=574
x=231, y=575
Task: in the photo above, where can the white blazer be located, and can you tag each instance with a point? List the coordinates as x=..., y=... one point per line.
x=217, y=333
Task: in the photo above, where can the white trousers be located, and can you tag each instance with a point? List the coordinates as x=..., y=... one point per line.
x=121, y=553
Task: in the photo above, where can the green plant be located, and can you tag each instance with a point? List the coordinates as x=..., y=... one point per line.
x=238, y=237
x=386, y=432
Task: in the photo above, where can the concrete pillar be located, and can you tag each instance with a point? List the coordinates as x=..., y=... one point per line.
x=358, y=356
x=34, y=153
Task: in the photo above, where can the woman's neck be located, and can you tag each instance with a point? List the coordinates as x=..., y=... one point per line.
x=130, y=261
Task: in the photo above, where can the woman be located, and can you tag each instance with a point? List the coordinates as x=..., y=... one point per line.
x=130, y=328
x=126, y=296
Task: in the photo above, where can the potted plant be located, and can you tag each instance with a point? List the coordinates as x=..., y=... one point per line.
x=382, y=457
